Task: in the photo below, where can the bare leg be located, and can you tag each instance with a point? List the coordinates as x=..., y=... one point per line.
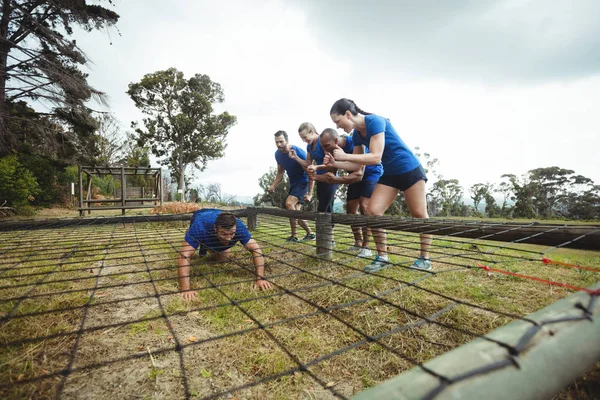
x=352, y=208
x=383, y=196
x=290, y=204
x=417, y=205
x=302, y=222
x=366, y=232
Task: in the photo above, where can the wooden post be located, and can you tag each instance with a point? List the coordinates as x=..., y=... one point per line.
x=160, y=186
x=89, y=191
x=252, y=219
x=81, y=212
x=324, y=235
x=123, y=182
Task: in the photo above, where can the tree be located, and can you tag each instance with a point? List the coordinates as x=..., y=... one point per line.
x=181, y=127
x=446, y=196
x=39, y=62
x=215, y=195
x=108, y=142
x=278, y=197
x=478, y=192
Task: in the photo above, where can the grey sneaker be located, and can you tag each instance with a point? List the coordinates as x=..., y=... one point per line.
x=365, y=253
x=354, y=248
x=309, y=236
x=378, y=263
x=292, y=239
x=422, y=264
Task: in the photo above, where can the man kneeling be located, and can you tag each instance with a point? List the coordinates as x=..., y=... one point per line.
x=216, y=231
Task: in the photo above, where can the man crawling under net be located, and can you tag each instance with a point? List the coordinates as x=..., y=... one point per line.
x=216, y=232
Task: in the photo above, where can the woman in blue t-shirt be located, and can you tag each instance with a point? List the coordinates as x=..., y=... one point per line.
x=401, y=171
x=314, y=151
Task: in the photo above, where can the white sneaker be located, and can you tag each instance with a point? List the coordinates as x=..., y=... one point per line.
x=354, y=248
x=365, y=253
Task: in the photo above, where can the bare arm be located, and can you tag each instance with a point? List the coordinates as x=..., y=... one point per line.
x=353, y=177
x=278, y=178
x=259, y=264
x=303, y=163
x=183, y=270
x=376, y=146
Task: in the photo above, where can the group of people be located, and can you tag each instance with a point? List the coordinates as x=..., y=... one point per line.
x=378, y=164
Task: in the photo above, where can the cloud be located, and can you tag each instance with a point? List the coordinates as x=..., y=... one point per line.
x=491, y=41
x=482, y=111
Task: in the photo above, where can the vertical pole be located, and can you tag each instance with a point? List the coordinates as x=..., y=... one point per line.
x=160, y=186
x=89, y=191
x=81, y=212
x=143, y=194
x=252, y=219
x=324, y=235
x=123, y=191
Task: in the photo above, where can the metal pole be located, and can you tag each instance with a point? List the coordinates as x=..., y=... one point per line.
x=549, y=360
x=324, y=235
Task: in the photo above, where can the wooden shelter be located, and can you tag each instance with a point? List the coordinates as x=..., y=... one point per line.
x=126, y=198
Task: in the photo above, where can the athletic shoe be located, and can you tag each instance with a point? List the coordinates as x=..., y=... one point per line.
x=365, y=253
x=378, y=263
x=354, y=248
x=292, y=239
x=423, y=264
x=309, y=236
x=333, y=243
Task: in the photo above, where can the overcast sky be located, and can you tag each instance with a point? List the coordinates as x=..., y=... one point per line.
x=487, y=87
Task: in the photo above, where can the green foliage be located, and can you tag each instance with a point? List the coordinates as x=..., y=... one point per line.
x=446, y=198
x=181, y=128
x=40, y=54
x=278, y=197
x=106, y=184
x=18, y=186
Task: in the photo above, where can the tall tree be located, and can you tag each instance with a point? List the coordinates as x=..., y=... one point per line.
x=181, y=127
x=39, y=62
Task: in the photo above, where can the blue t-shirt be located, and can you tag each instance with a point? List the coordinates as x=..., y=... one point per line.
x=372, y=172
x=318, y=155
x=296, y=173
x=202, y=231
x=397, y=158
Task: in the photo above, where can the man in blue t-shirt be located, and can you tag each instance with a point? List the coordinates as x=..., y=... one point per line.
x=361, y=184
x=214, y=231
x=300, y=187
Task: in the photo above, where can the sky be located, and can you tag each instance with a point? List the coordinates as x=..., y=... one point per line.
x=489, y=87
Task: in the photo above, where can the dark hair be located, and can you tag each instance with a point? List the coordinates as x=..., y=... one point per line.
x=225, y=220
x=279, y=133
x=342, y=105
x=331, y=132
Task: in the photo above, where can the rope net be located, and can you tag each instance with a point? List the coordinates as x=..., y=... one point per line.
x=91, y=308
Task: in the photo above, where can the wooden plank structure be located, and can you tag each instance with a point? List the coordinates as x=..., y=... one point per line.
x=129, y=197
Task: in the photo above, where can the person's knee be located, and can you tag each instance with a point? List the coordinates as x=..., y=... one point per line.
x=371, y=209
x=290, y=204
x=363, y=204
x=419, y=213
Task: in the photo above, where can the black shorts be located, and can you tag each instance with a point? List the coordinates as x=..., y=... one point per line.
x=361, y=189
x=404, y=181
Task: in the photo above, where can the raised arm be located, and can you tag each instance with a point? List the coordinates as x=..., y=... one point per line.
x=259, y=265
x=183, y=270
